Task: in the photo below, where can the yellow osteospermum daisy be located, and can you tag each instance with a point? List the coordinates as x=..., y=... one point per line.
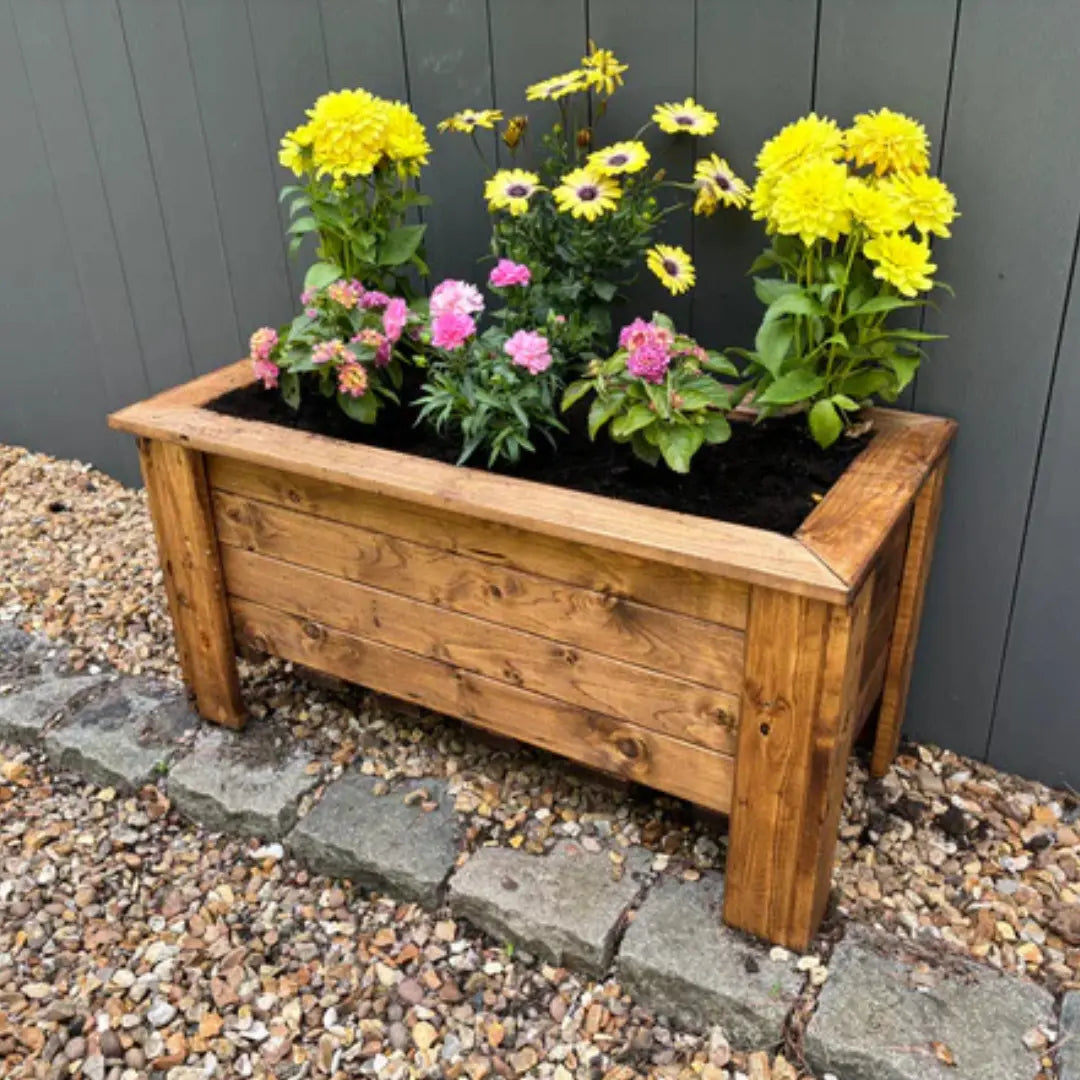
x=876, y=207
x=558, y=86
x=602, y=70
x=717, y=183
x=812, y=202
x=348, y=128
x=688, y=117
x=404, y=139
x=673, y=266
x=619, y=158
x=901, y=261
x=586, y=193
x=295, y=152
x=468, y=120
x=511, y=189
x=809, y=137
x=889, y=141
x=928, y=203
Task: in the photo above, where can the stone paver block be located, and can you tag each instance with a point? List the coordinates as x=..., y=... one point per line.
x=1069, y=1037
x=381, y=841
x=240, y=783
x=25, y=713
x=679, y=960
x=125, y=737
x=874, y=1023
x=564, y=906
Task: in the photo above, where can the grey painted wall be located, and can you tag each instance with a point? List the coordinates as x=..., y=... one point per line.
x=141, y=240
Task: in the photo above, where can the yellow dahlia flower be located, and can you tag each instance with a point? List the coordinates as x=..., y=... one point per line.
x=876, y=207
x=717, y=184
x=762, y=196
x=468, y=120
x=901, y=261
x=812, y=202
x=602, y=70
x=348, y=128
x=688, y=117
x=511, y=189
x=619, y=158
x=889, y=141
x=295, y=152
x=586, y=193
x=928, y=203
x=673, y=266
x=405, y=140
x=558, y=86
x=802, y=140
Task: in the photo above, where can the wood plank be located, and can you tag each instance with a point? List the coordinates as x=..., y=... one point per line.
x=798, y=720
x=659, y=584
x=711, y=547
x=363, y=46
x=188, y=551
x=905, y=635
x=704, y=776
x=848, y=528
x=577, y=676
x=659, y=640
x=888, y=570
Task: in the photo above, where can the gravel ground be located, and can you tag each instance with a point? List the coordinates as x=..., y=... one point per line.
x=943, y=849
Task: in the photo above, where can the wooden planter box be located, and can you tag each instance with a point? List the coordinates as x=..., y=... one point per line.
x=727, y=665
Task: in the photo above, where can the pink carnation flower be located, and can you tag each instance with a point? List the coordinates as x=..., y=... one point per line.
x=352, y=379
x=346, y=293
x=395, y=317
x=649, y=361
x=455, y=297
x=530, y=350
x=451, y=330
x=262, y=342
x=374, y=299
x=266, y=370
x=507, y=272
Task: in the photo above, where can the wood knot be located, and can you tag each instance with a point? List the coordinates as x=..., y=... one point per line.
x=314, y=631
x=495, y=591
x=260, y=643
x=629, y=747
x=294, y=496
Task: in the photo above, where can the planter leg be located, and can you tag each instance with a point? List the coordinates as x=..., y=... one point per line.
x=803, y=659
x=920, y=547
x=187, y=546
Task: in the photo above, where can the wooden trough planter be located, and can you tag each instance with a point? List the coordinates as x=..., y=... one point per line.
x=724, y=664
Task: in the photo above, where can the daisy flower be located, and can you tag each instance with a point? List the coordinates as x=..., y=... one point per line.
x=558, y=86
x=716, y=178
x=619, y=158
x=688, y=117
x=602, y=70
x=468, y=120
x=585, y=193
x=511, y=189
x=673, y=266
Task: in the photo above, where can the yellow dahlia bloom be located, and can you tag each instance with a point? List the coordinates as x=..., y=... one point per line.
x=586, y=193
x=901, y=261
x=558, y=86
x=468, y=120
x=348, y=128
x=602, y=70
x=889, y=141
x=876, y=207
x=812, y=202
x=405, y=140
x=928, y=203
x=761, y=198
x=688, y=117
x=295, y=152
x=619, y=158
x=717, y=184
x=673, y=266
x=804, y=139
x=511, y=189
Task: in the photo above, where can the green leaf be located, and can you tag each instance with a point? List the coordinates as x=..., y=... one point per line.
x=716, y=429
x=772, y=343
x=795, y=386
x=903, y=367
x=301, y=202
x=769, y=290
x=637, y=416
x=842, y=401
x=289, y=383
x=400, y=244
x=643, y=449
x=913, y=335
x=302, y=225
x=364, y=409
x=796, y=302
x=660, y=319
x=718, y=363
x=826, y=423
x=321, y=274
x=602, y=410
x=877, y=304
x=864, y=384
x=605, y=290
x=836, y=270
x=678, y=443
x=575, y=392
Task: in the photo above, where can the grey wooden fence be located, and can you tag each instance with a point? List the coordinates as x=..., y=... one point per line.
x=140, y=240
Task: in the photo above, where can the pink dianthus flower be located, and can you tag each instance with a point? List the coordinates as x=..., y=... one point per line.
x=395, y=317
x=648, y=361
x=530, y=350
x=507, y=272
x=266, y=370
x=455, y=297
x=451, y=330
x=262, y=342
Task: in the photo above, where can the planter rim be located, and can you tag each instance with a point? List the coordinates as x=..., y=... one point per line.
x=827, y=558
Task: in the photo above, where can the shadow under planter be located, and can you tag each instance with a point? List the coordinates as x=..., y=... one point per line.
x=724, y=664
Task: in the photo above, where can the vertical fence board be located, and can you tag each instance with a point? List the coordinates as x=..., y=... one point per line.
x=450, y=69
x=363, y=46
x=755, y=66
x=657, y=41
x=170, y=112
x=1015, y=179
x=108, y=86
x=227, y=85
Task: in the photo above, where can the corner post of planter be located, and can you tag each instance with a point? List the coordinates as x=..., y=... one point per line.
x=803, y=659
x=188, y=549
x=917, y=557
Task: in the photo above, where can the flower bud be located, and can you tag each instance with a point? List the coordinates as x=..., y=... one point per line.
x=584, y=138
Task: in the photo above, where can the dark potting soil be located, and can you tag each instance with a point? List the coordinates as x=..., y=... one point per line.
x=769, y=475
